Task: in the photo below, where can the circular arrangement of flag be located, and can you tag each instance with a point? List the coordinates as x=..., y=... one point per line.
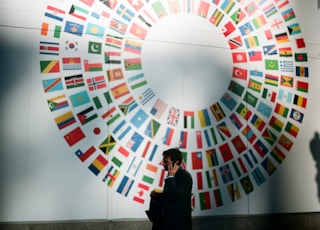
x=92, y=72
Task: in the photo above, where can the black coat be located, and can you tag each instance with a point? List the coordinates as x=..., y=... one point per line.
x=176, y=201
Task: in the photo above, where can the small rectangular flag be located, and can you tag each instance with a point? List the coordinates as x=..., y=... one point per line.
x=97, y=82
x=54, y=13
x=196, y=160
x=51, y=85
x=120, y=90
x=74, y=28
x=79, y=98
x=98, y=164
x=300, y=101
x=50, y=66
x=74, y=136
x=65, y=120
x=49, y=48
x=74, y=81
x=58, y=102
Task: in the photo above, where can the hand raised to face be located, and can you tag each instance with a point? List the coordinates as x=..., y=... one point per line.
x=172, y=169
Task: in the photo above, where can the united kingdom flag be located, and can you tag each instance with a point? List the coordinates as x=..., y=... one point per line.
x=173, y=116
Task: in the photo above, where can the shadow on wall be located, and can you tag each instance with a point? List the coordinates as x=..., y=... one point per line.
x=315, y=151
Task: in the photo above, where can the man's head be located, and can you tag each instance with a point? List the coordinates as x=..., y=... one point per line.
x=170, y=157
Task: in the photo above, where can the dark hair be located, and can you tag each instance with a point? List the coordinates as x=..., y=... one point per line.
x=174, y=154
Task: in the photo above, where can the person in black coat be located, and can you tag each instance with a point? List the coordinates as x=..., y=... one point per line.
x=174, y=203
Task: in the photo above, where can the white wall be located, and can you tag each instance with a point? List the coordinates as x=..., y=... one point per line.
x=41, y=178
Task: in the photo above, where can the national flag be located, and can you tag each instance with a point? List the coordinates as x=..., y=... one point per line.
x=269, y=49
x=286, y=81
x=115, y=74
x=271, y=79
x=78, y=12
x=74, y=81
x=211, y=175
x=91, y=67
x=125, y=13
x=302, y=71
x=239, y=57
x=285, y=96
x=196, y=160
x=136, y=4
x=300, y=101
x=216, y=17
x=285, y=142
x=152, y=128
x=71, y=63
x=236, y=121
x=269, y=94
x=276, y=123
x=288, y=15
x=259, y=21
x=199, y=139
x=74, y=28
x=268, y=165
x=228, y=101
x=87, y=115
x=300, y=57
x=54, y=13
x=87, y=2
x=95, y=30
x=45, y=30
x=147, y=95
x=122, y=129
x=183, y=139
x=108, y=144
x=138, y=31
x=112, y=115
x=257, y=122
x=235, y=42
x=134, y=166
x=292, y=129
x=282, y=38
x=65, y=120
x=246, y=28
x=282, y=3
x=113, y=41
x=260, y=148
x=188, y=6
x=203, y=9
x=173, y=116
x=264, y=109
x=294, y=29
x=233, y=191
x=212, y=158
x=168, y=136
x=247, y=184
x=120, y=90
x=269, y=136
x=255, y=55
x=204, y=118
x=118, y=26
x=49, y=66
x=226, y=173
x=217, y=197
x=188, y=115
x=112, y=57
x=74, y=136
x=52, y=84
x=285, y=52
x=254, y=85
x=286, y=66
x=133, y=46
x=58, y=102
x=204, y=199
x=296, y=115
x=94, y=47
x=158, y=108
x=239, y=73
x=268, y=34
x=128, y=105
x=132, y=64
x=300, y=43
x=302, y=86
x=277, y=154
x=251, y=8
x=174, y=6
x=79, y=98
x=238, y=144
x=228, y=28
x=85, y=155
x=252, y=42
x=238, y=15
x=258, y=176
x=97, y=82
x=98, y=164
x=227, y=5
x=223, y=129
x=281, y=110
x=135, y=141
x=111, y=176
x=125, y=185
x=217, y=111
x=139, y=118
x=243, y=111
x=49, y=48
x=249, y=134
x=270, y=10
x=199, y=181
x=271, y=64
x=159, y=9
x=225, y=152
